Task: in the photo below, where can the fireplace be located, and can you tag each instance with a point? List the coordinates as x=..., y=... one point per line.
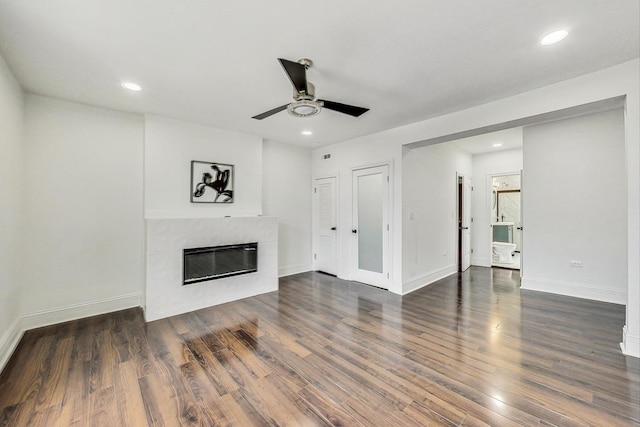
x=216, y=262
x=167, y=239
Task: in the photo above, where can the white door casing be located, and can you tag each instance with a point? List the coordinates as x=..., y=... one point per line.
x=465, y=224
x=325, y=225
x=520, y=230
x=370, y=226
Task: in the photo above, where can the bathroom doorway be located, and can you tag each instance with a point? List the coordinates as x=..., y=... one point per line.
x=506, y=221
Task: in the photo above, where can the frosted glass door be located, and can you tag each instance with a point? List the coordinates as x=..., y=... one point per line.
x=371, y=226
x=370, y=194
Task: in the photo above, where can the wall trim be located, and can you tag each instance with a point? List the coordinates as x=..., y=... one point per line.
x=574, y=289
x=481, y=261
x=293, y=269
x=426, y=279
x=630, y=344
x=78, y=311
x=9, y=341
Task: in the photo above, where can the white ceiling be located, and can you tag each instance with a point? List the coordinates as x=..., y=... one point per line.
x=214, y=62
x=509, y=139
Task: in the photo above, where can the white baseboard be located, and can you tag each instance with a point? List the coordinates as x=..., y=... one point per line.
x=573, y=289
x=293, y=269
x=630, y=344
x=78, y=311
x=9, y=341
x=481, y=261
x=423, y=280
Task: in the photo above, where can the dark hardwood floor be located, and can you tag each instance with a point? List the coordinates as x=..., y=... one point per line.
x=470, y=350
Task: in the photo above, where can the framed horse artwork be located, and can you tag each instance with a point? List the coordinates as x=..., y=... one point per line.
x=211, y=182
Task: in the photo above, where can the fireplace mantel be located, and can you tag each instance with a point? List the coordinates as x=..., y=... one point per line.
x=166, y=238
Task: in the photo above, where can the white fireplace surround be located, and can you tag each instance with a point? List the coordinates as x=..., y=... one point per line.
x=166, y=238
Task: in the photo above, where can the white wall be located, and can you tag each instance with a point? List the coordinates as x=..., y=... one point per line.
x=621, y=80
x=270, y=177
x=171, y=145
x=429, y=223
x=344, y=158
x=11, y=128
x=576, y=207
x=83, y=227
x=286, y=194
x=485, y=165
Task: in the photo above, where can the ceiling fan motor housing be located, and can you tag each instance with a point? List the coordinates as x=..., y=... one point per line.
x=308, y=95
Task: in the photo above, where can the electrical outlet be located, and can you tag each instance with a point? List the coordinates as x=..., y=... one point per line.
x=576, y=263
x=410, y=215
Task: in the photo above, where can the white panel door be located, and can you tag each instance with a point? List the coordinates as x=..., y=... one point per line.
x=370, y=226
x=465, y=225
x=325, y=231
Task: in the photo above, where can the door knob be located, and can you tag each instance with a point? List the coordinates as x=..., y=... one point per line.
x=333, y=228
x=354, y=231
x=519, y=228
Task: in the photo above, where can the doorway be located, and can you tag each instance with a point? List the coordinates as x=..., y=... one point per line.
x=506, y=220
x=464, y=222
x=370, y=226
x=325, y=226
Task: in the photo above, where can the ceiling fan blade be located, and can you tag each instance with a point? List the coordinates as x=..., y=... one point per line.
x=344, y=108
x=297, y=74
x=270, y=112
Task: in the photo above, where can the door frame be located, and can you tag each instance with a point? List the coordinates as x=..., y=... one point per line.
x=388, y=261
x=521, y=222
x=490, y=176
x=458, y=222
x=315, y=221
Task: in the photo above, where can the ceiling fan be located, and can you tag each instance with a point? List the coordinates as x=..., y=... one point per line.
x=304, y=103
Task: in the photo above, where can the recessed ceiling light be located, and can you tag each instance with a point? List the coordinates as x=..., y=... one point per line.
x=307, y=132
x=131, y=86
x=497, y=144
x=554, y=37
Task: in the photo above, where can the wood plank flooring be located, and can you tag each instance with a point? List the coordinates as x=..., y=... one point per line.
x=470, y=350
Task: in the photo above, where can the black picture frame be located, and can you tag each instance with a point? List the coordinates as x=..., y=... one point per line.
x=211, y=182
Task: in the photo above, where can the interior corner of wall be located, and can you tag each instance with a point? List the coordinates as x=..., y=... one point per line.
x=9, y=341
x=630, y=344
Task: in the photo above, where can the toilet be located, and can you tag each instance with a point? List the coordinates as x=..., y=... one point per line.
x=502, y=253
x=502, y=246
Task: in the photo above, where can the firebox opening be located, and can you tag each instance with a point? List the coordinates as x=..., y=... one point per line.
x=216, y=262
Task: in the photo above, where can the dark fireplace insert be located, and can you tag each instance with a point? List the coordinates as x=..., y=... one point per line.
x=216, y=262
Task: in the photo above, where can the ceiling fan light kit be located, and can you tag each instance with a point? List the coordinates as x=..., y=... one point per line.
x=304, y=103
x=304, y=108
